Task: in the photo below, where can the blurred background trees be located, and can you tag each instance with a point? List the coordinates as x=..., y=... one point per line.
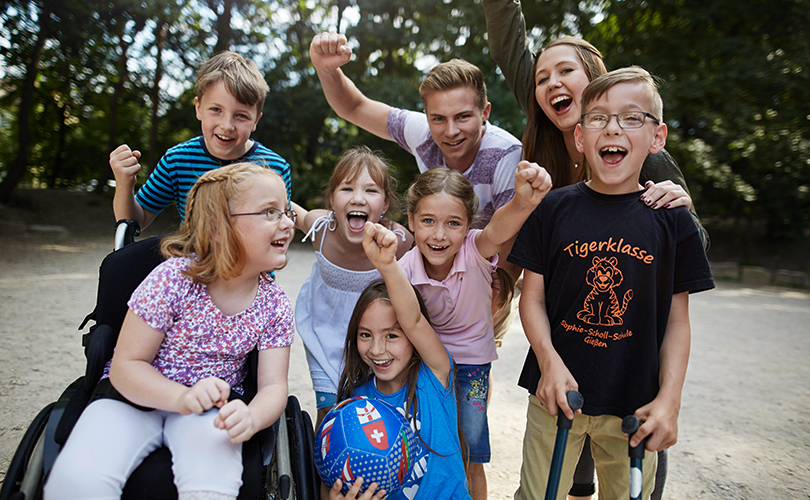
x=78, y=78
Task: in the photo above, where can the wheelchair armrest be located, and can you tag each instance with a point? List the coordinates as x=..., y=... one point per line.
x=125, y=232
x=99, y=344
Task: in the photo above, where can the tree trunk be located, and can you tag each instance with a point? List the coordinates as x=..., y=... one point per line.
x=160, y=39
x=118, y=90
x=56, y=171
x=223, y=25
x=16, y=170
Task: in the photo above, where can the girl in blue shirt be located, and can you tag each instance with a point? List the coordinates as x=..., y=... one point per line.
x=392, y=353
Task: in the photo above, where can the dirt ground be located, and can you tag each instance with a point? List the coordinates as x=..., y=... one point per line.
x=744, y=423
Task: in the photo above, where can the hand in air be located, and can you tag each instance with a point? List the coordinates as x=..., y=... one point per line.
x=380, y=244
x=532, y=182
x=665, y=194
x=204, y=395
x=329, y=51
x=124, y=164
x=370, y=494
x=236, y=419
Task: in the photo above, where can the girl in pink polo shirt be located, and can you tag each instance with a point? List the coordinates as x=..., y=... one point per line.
x=451, y=266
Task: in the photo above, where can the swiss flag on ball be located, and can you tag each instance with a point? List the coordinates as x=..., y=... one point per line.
x=373, y=426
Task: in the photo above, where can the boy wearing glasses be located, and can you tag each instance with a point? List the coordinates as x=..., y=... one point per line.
x=230, y=96
x=605, y=297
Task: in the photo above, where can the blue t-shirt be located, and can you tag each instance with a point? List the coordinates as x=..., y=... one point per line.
x=440, y=474
x=183, y=164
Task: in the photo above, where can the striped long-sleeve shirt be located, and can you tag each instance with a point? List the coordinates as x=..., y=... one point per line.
x=184, y=163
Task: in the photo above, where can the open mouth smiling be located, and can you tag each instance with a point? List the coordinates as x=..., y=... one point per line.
x=223, y=138
x=561, y=102
x=612, y=154
x=357, y=220
x=436, y=248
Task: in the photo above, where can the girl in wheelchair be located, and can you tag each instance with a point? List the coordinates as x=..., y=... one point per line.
x=180, y=360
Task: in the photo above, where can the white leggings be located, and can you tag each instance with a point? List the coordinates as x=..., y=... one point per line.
x=112, y=438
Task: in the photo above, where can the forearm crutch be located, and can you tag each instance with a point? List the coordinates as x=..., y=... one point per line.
x=630, y=425
x=575, y=401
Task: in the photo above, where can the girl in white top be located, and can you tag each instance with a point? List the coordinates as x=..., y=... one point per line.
x=360, y=189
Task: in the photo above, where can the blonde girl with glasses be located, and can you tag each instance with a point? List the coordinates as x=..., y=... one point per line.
x=179, y=365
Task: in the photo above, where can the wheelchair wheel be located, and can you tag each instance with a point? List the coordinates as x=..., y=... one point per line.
x=302, y=444
x=23, y=480
x=291, y=473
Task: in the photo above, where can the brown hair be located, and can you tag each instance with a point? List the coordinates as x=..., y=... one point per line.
x=208, y=231
x=355, y=371
x=443, y=179
x=453, y=74
x=543, y=142
x=351, y=164
x=631, y=74
x=241, y=77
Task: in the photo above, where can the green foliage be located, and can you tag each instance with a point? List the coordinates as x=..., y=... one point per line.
x=735, y=86
x=734, y=82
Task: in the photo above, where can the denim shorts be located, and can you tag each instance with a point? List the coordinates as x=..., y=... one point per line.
x=472, y=389
x=325, y=400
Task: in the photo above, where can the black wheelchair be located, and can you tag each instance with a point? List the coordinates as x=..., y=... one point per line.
x=278, y=461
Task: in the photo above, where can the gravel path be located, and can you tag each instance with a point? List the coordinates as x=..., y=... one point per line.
x=744, y=425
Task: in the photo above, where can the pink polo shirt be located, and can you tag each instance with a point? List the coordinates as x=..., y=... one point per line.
x=460, y=306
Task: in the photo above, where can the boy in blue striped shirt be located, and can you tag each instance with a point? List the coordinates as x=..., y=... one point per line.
x=229, y=102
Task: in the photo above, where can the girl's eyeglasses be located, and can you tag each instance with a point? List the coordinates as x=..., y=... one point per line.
x=272, y=214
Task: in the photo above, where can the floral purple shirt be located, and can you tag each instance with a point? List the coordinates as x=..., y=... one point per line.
x=200, y=341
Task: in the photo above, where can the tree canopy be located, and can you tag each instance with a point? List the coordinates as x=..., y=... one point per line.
x=79, y=78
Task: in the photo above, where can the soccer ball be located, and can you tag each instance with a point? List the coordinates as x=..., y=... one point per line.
x=368, y=438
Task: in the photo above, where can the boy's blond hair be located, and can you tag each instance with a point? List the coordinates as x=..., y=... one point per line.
x=631, y=74
x=453, y=74
x=241, y=77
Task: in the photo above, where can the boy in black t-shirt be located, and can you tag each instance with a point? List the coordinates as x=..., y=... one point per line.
x=605, y=296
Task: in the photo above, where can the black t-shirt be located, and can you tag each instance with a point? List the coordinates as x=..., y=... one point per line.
x=611, y=266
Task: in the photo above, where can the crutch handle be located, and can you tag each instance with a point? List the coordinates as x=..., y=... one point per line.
x=575, y=401
x=630, y=425
x=564, y=423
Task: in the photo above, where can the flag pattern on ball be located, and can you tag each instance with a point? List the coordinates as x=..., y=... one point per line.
x=373, y=426
x=368, y=438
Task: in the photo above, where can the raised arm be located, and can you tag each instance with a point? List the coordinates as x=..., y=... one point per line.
x=328, y=52
x=380, y=246
x=509, y=47
x=532, y=183
x=125, y=166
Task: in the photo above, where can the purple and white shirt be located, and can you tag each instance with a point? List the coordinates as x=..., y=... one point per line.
x=200, y=340
x=492, y=173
